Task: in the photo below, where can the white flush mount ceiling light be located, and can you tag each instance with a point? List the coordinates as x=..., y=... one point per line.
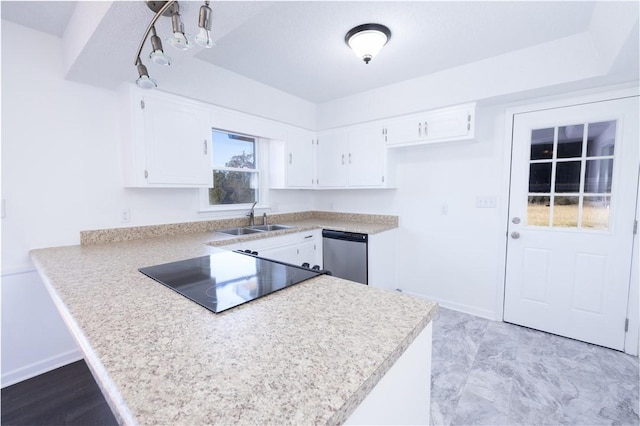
x=367, y=40
x=178, y=38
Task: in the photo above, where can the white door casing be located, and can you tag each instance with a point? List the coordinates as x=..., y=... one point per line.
x=568, y=274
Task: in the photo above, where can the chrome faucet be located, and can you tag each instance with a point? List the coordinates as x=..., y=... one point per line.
x=252, y=219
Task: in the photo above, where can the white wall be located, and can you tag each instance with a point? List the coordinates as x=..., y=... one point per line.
x=34, y=337
x=61, y=173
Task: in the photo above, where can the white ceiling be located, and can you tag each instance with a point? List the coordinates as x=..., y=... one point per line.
x=50, y=17
x=298, y=46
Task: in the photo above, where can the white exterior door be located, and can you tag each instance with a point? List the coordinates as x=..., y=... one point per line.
x=571, y=220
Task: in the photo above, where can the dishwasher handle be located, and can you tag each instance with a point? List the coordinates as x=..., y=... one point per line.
x=345, y=236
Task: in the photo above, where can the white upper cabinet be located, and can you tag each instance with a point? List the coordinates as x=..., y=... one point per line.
x=355, y=157
x=292, y=161
x=300, y=158
x=167, y=142
x=332, y=159
x=367, y=157
x=444, y=125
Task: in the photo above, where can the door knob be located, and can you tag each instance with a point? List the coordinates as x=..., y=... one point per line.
x=516, y=220
x=515, y=235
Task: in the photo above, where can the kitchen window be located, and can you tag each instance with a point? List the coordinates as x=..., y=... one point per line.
x=237, y=179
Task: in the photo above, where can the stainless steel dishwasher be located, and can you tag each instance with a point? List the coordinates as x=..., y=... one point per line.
x=345, y=255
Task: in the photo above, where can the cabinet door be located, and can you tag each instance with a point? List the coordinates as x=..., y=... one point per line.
x=299, y=157
x=332, y=160
x=404, y=131
x=366, y=157
x=307, y=253
x=177, y=143
x=287, y=254
x=450, y=124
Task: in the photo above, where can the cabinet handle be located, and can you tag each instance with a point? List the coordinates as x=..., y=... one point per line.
x=308, y=236
x=290, y=158
x=420, y=129
x=343, y=159
x=349, y=158
x=426, y=129
x=205, y=147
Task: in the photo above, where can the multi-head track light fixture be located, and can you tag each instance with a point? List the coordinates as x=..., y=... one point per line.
x=178, y=39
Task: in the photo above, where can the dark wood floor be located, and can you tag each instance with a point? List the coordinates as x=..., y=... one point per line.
x=65, y=396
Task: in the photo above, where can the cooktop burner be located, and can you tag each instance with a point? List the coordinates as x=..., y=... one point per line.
x=227, y=279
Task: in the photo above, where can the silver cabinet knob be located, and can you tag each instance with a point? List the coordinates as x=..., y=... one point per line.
x=516, y=220
x=515, y=235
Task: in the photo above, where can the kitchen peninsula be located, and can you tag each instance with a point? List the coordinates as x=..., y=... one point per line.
x=308, y=354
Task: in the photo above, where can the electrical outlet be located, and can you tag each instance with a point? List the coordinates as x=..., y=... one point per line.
x=444, y=209
x=486, y=202
x=125, y=215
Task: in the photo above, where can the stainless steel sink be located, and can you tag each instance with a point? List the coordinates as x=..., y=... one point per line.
x=270, y=227
x=238, y=231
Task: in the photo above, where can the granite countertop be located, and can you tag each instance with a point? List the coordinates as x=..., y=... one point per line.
x=353, y=222
x=308, y=354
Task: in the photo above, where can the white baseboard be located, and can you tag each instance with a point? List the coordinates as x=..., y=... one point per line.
x=28, y=371
x=471, y=310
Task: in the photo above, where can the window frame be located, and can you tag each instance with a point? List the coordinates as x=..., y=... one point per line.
x=261, y=164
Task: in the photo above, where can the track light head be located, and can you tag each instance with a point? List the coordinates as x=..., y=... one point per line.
x=204, y=23
x=178, y=40
x=143, y=81
x=157, y=54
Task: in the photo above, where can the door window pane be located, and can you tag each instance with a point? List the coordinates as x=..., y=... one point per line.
x=598, y=176
x=565, y=212
x=570, y=141
x=541, y=144
x=568, y=176
x=601, y=138
x=540, y=177
x=538, y=209
x=595, y=212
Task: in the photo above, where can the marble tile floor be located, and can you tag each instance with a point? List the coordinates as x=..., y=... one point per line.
x=494, y=373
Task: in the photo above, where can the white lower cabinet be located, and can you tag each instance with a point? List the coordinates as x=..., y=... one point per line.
x=297, y=248
x=286, y=254
x=306, y=247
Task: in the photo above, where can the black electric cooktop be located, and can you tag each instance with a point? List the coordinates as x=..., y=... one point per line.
x=224, y=280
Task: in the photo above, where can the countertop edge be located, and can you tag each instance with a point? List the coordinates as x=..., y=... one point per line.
x=342, y=414
x=110, y=392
